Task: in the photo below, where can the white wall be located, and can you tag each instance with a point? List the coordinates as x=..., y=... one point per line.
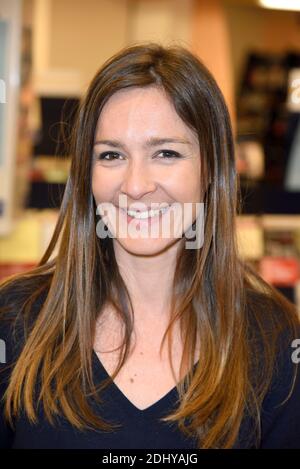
x=72, y=38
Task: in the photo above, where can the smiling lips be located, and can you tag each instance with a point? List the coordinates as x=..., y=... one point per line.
x=147, y=213
x=144, y=215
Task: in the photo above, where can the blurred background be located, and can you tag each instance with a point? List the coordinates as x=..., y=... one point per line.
x=50, y=50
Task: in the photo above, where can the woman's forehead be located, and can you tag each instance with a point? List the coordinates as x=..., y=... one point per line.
x=147, y=110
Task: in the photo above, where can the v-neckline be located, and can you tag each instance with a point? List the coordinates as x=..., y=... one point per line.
x=169, y=397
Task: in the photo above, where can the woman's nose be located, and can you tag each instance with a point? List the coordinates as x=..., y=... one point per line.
x=137, y=180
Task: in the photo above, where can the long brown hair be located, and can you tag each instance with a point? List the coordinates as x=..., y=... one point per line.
x=218, y=299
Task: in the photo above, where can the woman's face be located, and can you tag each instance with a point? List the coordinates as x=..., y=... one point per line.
x=134, y=167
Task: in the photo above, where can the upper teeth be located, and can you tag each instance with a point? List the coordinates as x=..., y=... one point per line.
x=147, y=213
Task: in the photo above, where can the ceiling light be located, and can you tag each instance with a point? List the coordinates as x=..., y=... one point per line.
x=293, y=5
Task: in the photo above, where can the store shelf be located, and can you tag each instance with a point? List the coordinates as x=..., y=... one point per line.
x=272, y=244
x=27, y=243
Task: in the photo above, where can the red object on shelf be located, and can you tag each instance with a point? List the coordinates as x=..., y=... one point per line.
x=280, y=271
x=36, y=175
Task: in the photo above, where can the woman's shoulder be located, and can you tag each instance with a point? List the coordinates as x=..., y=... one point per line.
x=281, y=406
x=270, y=314
x=17, y=291
x=274, y=341
x=20, y=302
x=273, y=327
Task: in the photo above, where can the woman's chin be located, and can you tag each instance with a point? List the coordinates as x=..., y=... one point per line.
x=145, y=246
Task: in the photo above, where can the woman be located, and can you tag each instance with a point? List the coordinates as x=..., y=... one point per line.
x=143, y=340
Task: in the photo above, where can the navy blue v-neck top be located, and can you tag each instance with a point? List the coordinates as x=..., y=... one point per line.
x=139, y=428
x=143, y=429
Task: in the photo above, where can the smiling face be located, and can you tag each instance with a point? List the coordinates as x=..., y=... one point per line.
x=146, y=154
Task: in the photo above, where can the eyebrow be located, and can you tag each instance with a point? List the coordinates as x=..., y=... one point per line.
x=151, y=142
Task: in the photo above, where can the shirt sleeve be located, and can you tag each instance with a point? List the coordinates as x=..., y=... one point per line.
x=12, y=340
x=6, y=359
x=280, y=415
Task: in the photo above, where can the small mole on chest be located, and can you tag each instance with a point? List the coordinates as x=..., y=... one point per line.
x=131, y=379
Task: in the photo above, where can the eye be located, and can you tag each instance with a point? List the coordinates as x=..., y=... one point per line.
x=103, y=156
x=170, y=154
